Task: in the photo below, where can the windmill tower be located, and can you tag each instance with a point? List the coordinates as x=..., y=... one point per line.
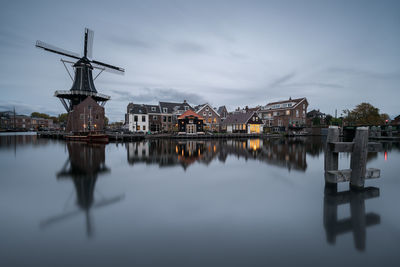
x=85, y=106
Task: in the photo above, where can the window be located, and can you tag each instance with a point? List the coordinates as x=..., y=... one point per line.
x=209, y=120
x=289, y=105
x=206, y=108
x=143, y=118
x=275, y=113
x=153, y=108
x=154, y=118
x=186, y=108
x=304, y=106
x=164, y=118
x=165, y=110
x=209, y=114
x=304, y=113
x=169, y=119
x=136, y=118
x=97, y=116
x=82, y=116
x=279, y=122
x=204, y=114
x=138, y=128
x=144, y=128
x=287, y=112
x=297, y=113
x=244, y=126
x=215, y=120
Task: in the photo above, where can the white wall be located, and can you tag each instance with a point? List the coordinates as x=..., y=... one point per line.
x=140, y=123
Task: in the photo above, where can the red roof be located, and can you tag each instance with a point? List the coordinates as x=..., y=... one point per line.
x=190, y=113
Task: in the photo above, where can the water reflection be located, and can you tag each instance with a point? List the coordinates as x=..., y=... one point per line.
x=358, y=221
x=84, y=164
x=286, y=153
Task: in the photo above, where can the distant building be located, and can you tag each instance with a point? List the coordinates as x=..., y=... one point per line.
x=190, y=123
x=9, y=120
x=241, y=122
x=313, y=115
x=282, y=115
x=211, y=117
x=396, y=120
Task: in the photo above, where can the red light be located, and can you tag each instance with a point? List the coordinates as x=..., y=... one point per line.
x=385, y=155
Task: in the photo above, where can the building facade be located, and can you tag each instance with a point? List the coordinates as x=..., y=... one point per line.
x=154, y=118
x=87, y=116
x=284, y=115
x=169, y=114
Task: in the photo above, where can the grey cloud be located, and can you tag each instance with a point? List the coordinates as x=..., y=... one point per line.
x=281, y=80
x=130, y=41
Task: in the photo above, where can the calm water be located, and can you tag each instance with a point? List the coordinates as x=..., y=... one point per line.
x=192, y=203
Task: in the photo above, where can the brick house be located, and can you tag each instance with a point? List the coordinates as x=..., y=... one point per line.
x=211, y=117
x=282, y=115
x=154, y=117
x=86, y=116
x=223, y=112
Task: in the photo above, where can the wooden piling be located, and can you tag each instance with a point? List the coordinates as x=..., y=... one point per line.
x=358, y=160
x=331, y=162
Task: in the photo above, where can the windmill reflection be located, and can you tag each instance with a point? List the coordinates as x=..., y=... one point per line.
x=286, y=153
x=358, y=221
x=85, y=163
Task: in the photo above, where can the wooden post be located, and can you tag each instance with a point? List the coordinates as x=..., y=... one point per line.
x=331, y=158
x=389, y=131
x=378, y=132
x=358, y=160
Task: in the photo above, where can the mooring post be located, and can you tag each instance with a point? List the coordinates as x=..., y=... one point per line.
x=331, y=158
x=378, y=132
x=372, y=132
x=358, y=162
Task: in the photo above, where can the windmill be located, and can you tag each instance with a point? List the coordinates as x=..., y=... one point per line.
x=83, y=81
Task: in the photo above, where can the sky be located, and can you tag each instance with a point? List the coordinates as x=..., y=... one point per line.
x=337, y=54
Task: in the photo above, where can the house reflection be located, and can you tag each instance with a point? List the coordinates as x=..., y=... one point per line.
x=286, y=153
x=84, y=164
x=358, y=221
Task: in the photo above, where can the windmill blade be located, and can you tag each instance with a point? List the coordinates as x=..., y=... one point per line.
x=57, y=50
x=88, y=47
x=108, y=67
x=109, y=201
x=59, y=218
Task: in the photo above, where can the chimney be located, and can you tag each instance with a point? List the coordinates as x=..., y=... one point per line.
x=290, y=98
x=184, y=101
x=247, y=108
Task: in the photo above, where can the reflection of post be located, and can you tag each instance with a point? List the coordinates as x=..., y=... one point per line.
x=358, y=221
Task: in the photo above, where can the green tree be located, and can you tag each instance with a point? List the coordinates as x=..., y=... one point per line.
x=62, y=118
x=105, y=121
x=40, y=115
x=363, y=114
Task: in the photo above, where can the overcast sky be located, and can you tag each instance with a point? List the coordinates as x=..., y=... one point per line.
x=234, y=53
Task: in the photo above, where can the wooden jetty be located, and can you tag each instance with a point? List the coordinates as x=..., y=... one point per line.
x=359, y=149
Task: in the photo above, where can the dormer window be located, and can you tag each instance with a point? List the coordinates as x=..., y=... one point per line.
x=153, y=108
x=186, y=108
x=165, y=110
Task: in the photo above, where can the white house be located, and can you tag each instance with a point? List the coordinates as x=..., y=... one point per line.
x=138, y=119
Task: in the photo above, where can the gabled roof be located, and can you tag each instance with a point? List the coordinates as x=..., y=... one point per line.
x=238, y=118
x=173, y=107
x=210, y=108
x=190, y=113
x=221, y=109
x=296, y=102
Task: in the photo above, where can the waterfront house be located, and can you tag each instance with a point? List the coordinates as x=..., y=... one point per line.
x=138, y=118
x=284, y=115
x=190, y=123
x=211, y=117
x=241, y=122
